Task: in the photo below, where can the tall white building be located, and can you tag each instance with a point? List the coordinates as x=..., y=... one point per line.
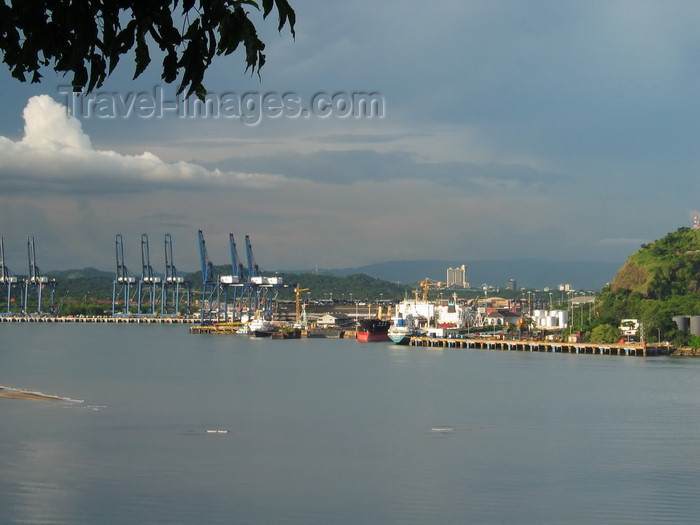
x=457, y=277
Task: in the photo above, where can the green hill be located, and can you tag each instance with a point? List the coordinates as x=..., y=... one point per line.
x=669, y=266
x=659, y=281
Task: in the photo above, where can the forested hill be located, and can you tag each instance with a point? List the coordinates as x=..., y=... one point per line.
x=666, y=267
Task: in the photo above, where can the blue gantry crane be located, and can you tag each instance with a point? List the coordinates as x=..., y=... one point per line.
x=250, y=291
x=261, y=285
x=7, y=278
x=253, y=268
x=235, y=281
x=122, y=281
x=37, y=281
x=210, y=284
x=236, y=264
x=172, y=283
x=149, y=281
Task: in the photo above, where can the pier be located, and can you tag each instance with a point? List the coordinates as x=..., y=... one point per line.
x=621, y=349
x=509, y=345
x=105, y=320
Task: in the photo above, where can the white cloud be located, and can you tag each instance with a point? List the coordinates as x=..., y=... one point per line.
x=56, y=155
x=546, y=129
x=48, y=127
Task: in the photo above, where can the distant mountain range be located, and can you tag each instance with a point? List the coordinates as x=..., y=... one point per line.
x=587, y=275
x=79, y=274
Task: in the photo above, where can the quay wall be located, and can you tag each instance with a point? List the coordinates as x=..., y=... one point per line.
x=619, y=349
x=121, y=319
x=627, y=349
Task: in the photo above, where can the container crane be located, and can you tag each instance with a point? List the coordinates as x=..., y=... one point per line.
x=36, y=280
x=258, y=281
x=210, y=283
x=6, y=276
x=123, y=279
x=236, y=264
x=235, y=280
x=253, y=273
x=149, y=278
x=253, y=268
x=173, y=280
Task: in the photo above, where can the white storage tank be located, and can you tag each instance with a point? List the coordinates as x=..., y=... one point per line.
x=695, y=324
x=563, y=316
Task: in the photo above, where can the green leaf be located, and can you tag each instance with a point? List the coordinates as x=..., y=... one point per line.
x=143, y=58
x=267, y=7
x=170, y=68
x=97, y=71
x=86, y=38
x=80, y=77
x=286, y=13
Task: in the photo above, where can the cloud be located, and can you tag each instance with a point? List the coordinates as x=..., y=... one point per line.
x=56, y=155
x=351, y=167
x=48, y=127
x=563, y=130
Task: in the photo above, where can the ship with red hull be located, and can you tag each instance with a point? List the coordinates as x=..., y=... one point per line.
x=373, y=330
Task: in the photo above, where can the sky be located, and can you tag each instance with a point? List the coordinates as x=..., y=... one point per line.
x=502, y=130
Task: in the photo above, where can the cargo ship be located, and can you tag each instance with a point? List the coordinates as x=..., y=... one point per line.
x=373, y=330
x=403, y=329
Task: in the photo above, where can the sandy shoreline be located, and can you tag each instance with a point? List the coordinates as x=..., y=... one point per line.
x=6, y=393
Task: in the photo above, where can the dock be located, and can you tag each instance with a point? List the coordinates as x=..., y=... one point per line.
x=621, y=349
x=232, y=328
x=131, y=319
x=510, y=345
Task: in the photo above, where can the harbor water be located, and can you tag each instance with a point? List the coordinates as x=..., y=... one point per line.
x=160, y=426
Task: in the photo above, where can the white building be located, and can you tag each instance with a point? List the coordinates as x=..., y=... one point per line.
x=629, y=327
x=332, y=320
x=457, y=277
x=544, y=319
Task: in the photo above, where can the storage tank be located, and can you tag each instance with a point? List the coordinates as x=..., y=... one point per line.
x=563, y=317
x=552, y=321
x=695, y=324
x=683, y=322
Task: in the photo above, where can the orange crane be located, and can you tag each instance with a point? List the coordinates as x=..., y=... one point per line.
x=298, y=291
x=426, y=284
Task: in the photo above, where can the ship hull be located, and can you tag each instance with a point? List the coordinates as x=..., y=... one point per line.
x=372, y=337
x=400, y=339
x=373, y=331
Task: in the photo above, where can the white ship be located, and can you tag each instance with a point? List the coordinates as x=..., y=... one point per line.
x=416, y=317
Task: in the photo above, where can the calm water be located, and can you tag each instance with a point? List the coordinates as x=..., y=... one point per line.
x=334, y=431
